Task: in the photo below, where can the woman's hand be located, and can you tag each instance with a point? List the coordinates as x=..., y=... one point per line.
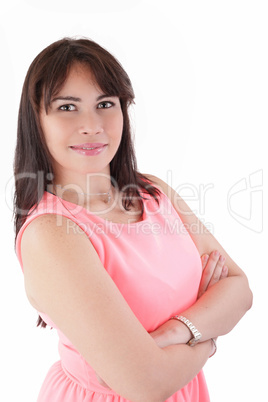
x=172, y=332
x=214, y=270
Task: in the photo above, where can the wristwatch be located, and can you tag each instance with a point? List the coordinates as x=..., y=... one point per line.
x=196, y=334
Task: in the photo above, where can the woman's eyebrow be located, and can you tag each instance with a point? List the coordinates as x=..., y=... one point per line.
x=105, y=96
x=67, y=98
x=74, y=99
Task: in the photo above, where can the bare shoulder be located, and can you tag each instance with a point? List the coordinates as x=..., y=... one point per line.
x=178, y=202
x=187, y=216
x=155, y=180
x=50, y=226
x=51, y=235
x=49, y=248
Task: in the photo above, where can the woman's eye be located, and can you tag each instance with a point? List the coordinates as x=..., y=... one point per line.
x=67, y=108
x=105, y=105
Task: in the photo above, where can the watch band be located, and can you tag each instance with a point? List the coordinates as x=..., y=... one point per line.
x=194, y=331
x=215, y=347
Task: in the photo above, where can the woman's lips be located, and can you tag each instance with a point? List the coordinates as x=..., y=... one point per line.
x=89, y=149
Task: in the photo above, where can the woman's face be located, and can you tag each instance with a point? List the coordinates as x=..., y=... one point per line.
x=83, y=126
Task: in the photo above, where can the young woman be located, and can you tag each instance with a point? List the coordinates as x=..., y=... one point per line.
x=109, y=257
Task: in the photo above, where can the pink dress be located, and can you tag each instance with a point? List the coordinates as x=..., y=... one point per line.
x=156, y=267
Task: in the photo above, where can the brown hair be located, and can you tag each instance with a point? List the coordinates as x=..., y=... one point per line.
x=45, y=77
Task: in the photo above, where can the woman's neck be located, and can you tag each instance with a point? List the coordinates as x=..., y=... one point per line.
x=91, y=183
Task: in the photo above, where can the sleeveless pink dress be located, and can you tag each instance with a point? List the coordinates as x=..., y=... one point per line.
x=156, y=267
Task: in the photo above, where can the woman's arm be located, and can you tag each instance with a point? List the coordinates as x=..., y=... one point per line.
x=64, y=278
x=220, y=308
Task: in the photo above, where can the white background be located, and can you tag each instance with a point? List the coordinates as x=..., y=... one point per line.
x=199, y=70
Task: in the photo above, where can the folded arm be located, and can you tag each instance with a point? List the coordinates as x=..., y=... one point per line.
x=221, y=306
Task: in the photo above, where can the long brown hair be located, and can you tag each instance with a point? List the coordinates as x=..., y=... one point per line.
x=46, y=75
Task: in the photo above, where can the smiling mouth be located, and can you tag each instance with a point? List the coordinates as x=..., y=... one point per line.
x=86, y=147
x=89, y=149
x=93, y=146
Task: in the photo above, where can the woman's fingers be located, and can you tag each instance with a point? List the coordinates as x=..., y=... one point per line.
x=217, y=263
x=213, y=270
x=207, y=273
x=204, y=260
x=224, y=273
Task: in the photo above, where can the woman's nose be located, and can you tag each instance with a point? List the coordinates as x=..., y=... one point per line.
x=90, y=123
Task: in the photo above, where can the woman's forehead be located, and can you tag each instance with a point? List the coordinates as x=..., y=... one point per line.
x=75, y=73
x=80, y=71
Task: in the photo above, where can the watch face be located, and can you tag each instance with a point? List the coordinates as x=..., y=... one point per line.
x=193, y=341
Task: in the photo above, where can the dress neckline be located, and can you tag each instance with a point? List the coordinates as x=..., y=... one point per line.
x=97, y=217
